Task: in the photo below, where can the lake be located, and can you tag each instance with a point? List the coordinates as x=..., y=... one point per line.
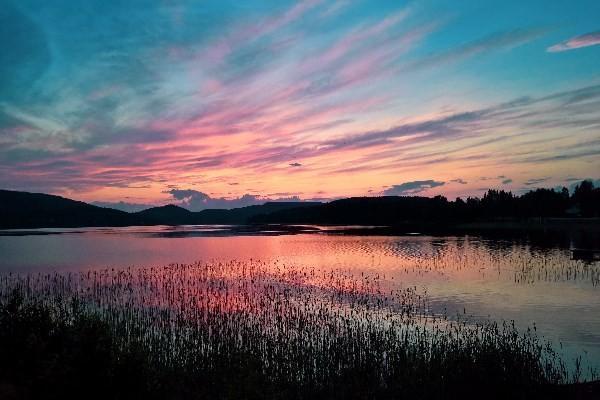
x=533, y=282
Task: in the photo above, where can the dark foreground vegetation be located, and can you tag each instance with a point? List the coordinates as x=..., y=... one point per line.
x=255, y=330
x=501, y=208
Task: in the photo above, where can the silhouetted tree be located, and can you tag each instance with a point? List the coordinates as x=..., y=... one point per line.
x=543, y=203
x=587, y=198
x=498, y=203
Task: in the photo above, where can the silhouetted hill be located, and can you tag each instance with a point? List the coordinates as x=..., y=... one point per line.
x=244, y=215
x=496, y=207
x=175, y=215
x=165, y=215
x=431, y=213
x=387, y=210
x=37, y=210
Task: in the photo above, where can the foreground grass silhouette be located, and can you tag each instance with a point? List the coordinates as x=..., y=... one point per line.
x=253, y=330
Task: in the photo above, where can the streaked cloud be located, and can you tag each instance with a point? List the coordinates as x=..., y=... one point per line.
x=495, y=41
x=536, y=181
x=577, y=42
x=292, y=97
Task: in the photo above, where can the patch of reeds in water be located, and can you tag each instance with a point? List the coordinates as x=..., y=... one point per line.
x=251, y=329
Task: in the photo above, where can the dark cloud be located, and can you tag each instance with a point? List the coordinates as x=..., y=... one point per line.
x=507, y=181
x=535, y=181
x=123, y=206
x=410, y=188
x=547, y=112
x=195, y=200
x=459, y=180
x=560, y=157
x=296, y=164
x=436, y=128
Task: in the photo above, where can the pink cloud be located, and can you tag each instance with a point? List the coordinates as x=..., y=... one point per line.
x=589, y=39
x=218, y=51
x=351, y=42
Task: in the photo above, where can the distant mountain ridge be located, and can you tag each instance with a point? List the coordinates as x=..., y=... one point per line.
x=431, y=213
x=164, y=215
x=22, y=210
x=36, y=210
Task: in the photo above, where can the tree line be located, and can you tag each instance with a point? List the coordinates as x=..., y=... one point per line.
x=495, y=204
x=584, y=201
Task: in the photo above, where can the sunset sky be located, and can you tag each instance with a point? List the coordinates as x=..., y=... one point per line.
x=228, y=103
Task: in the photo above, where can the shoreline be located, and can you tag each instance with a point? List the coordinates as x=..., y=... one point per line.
x=403, y=227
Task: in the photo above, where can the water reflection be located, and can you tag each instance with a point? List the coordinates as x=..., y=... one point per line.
x=531, y=280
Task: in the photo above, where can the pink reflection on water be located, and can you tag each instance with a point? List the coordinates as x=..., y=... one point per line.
x=501, y=280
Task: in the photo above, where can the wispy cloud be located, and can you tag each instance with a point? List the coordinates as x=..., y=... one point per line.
x=496, y=41
x=577, y=42
x=212, y=93
x=536, y=181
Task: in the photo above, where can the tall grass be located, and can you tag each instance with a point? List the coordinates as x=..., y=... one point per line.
x=249, y=329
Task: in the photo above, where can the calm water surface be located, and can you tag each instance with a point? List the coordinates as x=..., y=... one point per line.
x=467, y=276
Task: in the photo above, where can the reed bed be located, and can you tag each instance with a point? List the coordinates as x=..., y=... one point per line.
x=252, y=329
